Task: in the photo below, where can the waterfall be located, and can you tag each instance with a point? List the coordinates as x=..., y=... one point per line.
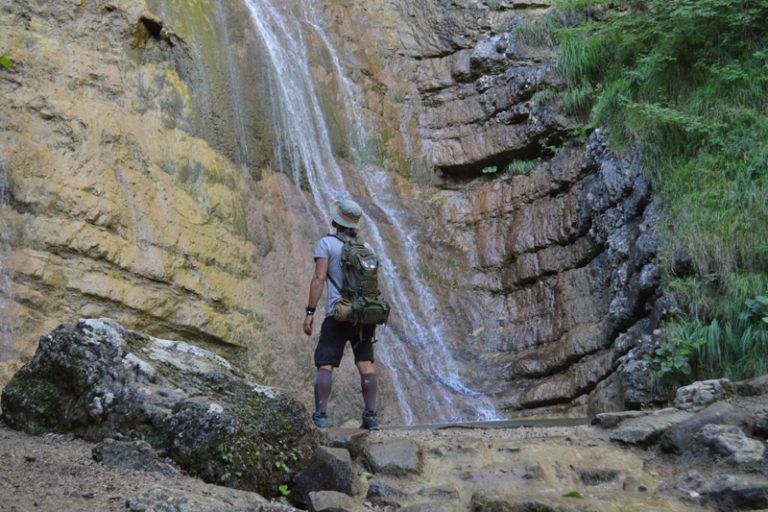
x=424, y=372
x=7, y=352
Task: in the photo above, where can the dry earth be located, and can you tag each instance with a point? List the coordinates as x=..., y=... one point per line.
x=55, y=473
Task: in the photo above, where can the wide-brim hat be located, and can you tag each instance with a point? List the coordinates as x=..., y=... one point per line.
x=346, y=213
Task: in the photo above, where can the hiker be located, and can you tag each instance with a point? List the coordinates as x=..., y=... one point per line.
x=334, y=334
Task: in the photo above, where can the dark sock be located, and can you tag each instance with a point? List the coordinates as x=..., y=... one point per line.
x=322, y=389
x=369, y=383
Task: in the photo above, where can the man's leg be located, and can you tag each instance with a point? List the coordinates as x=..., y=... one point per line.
x=328, y=355
x=323, y=381
x=369, y=384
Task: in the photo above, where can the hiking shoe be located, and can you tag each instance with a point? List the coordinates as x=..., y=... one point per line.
x=320, y=419
x=369, y=421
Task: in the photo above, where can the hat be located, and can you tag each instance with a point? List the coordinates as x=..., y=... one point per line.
x=346, y=213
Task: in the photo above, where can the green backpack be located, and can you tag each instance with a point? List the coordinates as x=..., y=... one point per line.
x=361, y=301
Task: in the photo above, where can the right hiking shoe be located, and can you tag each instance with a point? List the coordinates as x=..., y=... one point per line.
x=320, y=419
x=369, y=421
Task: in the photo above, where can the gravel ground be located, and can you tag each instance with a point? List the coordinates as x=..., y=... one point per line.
x=57, y=473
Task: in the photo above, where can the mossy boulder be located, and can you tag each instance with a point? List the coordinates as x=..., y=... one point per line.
x=98, y=380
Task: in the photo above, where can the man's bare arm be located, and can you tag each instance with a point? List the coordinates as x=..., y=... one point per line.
x=315, y=290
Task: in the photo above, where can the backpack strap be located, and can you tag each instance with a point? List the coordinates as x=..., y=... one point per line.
x=344, y=239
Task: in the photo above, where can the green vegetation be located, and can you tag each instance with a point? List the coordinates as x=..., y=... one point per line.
x=686, y=83
x=5, y=60
x=671, y=361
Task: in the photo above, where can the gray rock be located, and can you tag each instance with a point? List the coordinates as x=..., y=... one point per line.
x=702, y=393
x=733, y=492
x=98, y=380
x=380, y=493
x=329, y=469
x=131, y=455
x=332, y=501
x=676, y=440
x=352, y=439
x=612, y=419
x=396, y=457
x=752, y=387
x=728, y=441
x=648, y=429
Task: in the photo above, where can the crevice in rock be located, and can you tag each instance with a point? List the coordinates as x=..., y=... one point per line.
x=469, y=171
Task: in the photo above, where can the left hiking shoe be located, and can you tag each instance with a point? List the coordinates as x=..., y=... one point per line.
x=369, y=421
x=320, y=420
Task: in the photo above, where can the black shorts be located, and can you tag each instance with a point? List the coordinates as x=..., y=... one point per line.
x=333, y=338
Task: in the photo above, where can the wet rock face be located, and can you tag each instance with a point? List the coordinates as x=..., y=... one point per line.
x=564, y=282
x=550, y=277
x=99, y=381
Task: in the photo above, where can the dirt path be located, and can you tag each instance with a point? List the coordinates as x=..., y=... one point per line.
x=54, y=473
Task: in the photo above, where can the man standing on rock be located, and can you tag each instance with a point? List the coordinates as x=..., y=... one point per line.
x=334, y=334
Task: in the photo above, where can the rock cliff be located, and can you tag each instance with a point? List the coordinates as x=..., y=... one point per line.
x=138, y=144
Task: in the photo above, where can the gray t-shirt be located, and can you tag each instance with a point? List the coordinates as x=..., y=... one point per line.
x=329, y=248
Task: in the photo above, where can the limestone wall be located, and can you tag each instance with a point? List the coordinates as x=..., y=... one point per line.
x=140, y=156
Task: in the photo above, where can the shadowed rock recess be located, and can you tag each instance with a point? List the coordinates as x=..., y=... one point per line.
x=138, y=142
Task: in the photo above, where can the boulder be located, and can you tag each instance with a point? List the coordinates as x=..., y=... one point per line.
x=98, y=380
x=676, y=439
x=702, y=393
x=396, y=457
x=728, y=441
x=382, y=494
x=648, y=429
x=329, y=469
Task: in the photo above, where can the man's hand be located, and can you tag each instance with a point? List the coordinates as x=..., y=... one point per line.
x=315, y=290
x=308, y=324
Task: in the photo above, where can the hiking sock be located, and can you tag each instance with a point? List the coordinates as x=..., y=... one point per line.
x=370, y=384
x=322, y=389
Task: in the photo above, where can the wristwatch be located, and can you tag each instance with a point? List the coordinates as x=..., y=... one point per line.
x=310, y=311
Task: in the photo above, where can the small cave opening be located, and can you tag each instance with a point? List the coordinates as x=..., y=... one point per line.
x=147, y=29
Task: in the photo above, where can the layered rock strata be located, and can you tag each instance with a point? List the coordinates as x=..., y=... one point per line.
x=137, y=143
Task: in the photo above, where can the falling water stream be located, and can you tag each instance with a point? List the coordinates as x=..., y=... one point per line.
x=424, y=372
